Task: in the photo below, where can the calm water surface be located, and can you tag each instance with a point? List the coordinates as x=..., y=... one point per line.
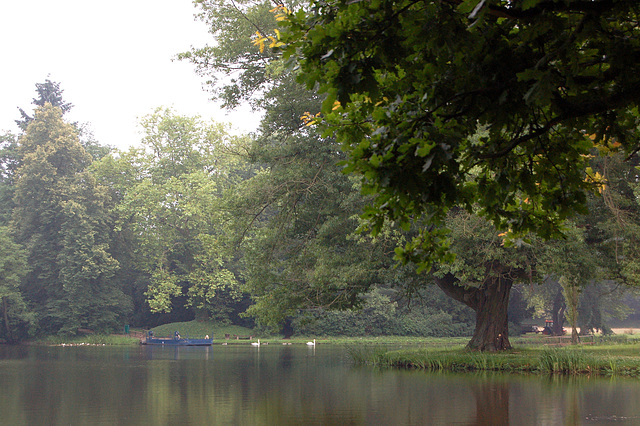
x=282, y=385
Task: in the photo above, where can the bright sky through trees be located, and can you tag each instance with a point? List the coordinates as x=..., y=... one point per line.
x=113, y=60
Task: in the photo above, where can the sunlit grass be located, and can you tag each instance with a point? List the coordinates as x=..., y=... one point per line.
x=199, y=329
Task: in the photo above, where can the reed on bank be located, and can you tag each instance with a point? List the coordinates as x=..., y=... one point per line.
x=609, y=360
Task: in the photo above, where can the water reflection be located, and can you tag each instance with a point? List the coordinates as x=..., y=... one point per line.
x=284, y=385
x=492, y=401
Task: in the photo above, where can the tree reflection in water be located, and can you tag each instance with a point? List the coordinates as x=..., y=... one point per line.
x=285, y=385
x=492, y=402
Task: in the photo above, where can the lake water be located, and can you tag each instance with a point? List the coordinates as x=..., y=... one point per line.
x=284, y=385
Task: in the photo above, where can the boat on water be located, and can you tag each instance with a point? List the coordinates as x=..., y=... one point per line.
x=176, y=340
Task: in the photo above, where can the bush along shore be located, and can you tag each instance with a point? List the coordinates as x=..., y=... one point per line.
x=604, y=360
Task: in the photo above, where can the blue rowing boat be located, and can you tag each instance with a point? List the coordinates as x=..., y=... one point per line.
x=176, y=340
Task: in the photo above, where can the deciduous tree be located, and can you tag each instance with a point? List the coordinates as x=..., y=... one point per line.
x=17, y=320
x=8, y=165
x=170, y=208
x=410, y=85
x=415, y=80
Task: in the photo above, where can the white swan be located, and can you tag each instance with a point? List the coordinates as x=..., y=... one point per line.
x=312, y=343
x=256, y=343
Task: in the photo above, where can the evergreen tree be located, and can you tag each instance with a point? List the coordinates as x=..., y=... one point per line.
x=48, y=92
x=60, y=218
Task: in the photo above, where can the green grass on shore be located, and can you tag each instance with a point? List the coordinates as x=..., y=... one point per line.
x=611, y=359
x=601, y=355
x=199, y=329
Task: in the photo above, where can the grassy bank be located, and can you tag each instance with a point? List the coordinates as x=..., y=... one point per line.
x=199, y=329
x=600, y=355
x=610, y=359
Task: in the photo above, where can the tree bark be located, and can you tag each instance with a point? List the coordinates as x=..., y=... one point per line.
x=559, y=307
x=5, y=316
x=572, y=296
x=490, y=301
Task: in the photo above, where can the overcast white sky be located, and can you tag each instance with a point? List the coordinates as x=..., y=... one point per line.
x=112, y=59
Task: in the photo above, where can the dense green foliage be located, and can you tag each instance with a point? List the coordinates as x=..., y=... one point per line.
x=489, y=107
x=16, y=317
x=170, y=211
x=60, y=217
x=380, y=315
x=8, y=164
x=416, y=81
x=452, y=121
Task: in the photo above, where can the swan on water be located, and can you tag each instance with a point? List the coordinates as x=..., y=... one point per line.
x=256, y=343
x=312, y=343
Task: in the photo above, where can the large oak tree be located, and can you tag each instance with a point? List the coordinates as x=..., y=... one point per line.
x=411, y=84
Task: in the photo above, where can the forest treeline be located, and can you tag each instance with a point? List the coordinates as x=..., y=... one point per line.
x=195, y=223
x=183, y=227
x=268, y=230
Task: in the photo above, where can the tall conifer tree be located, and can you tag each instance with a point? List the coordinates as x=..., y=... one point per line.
x=61, y=219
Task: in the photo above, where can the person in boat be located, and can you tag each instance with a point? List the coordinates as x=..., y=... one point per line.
x=151, y=334
x=176, y=335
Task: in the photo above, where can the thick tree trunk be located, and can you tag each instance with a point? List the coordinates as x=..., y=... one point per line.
x=559, y=307
x=490, y=302
x=492, y=322
x=5, y=317
x=572, y=296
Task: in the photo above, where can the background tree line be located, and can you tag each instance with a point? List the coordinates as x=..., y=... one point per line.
x=196, y=223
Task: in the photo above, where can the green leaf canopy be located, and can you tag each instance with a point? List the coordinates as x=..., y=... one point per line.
x=490, y=105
